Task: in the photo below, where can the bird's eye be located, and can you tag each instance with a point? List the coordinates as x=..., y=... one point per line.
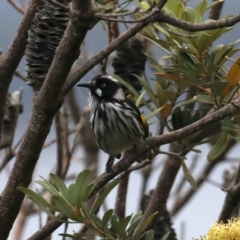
x=103, y=85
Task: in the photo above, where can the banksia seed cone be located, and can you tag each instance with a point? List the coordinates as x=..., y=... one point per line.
x=130, y=60
x=46, y=32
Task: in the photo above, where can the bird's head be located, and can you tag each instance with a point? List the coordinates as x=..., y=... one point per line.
x=104, y=87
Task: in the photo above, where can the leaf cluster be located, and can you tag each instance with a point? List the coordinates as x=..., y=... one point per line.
x=71, y=201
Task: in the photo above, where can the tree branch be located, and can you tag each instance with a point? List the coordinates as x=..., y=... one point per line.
x=10, y=61
x=16, y=6
x=232, y=199
x=163, y=17
x=160, y=16
x=116, y=43
x=150, y=143
x=42, y=116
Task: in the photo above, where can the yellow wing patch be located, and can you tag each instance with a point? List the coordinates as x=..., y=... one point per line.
x=145, y=125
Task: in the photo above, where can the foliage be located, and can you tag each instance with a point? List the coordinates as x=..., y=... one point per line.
x=72, y=202
x=195, y=78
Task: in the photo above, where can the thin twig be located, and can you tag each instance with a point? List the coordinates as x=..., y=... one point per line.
x=17, y=7
x=232, y=198
x=20, y=75
x=102, y=17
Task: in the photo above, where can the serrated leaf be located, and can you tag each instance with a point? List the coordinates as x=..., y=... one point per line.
x=219, y=147
x=81, y=186
x=140, y=99
x=106, y=217
x=60, y=185
x=166, y=235
x=103, y=195
x=188, y=176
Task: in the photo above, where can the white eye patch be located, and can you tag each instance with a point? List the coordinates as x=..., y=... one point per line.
x=98, y=92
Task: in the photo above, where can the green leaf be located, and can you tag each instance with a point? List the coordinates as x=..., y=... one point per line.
x=191, y=12
x=218, y=87
x=205, y=99
x=60, y=185
x=114, y=225
x=219, y=147
x=228, y=122
x=85, y=211
x=144, y=225
x=133, y=90
x=42, y=203
x=148, y=89
x=149, y=235
x=81, y=186
x=196, y=150
x=96, y=220
x=188, y=176
x=166, y=235
x=134, y=221
x=66, y=209
x=103, y=195
x=39, y=200
x=230, y=131
x=154, y=113
x=201, y=7
x=140, y=99
x=204, y=42
x=186, y=16
x=123, y=225
x=48, y=186
x=106, y=217
x=178, y=9
x=160, y=95
x=71, y=194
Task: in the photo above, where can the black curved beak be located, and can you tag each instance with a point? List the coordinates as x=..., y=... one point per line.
x=86, y=85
